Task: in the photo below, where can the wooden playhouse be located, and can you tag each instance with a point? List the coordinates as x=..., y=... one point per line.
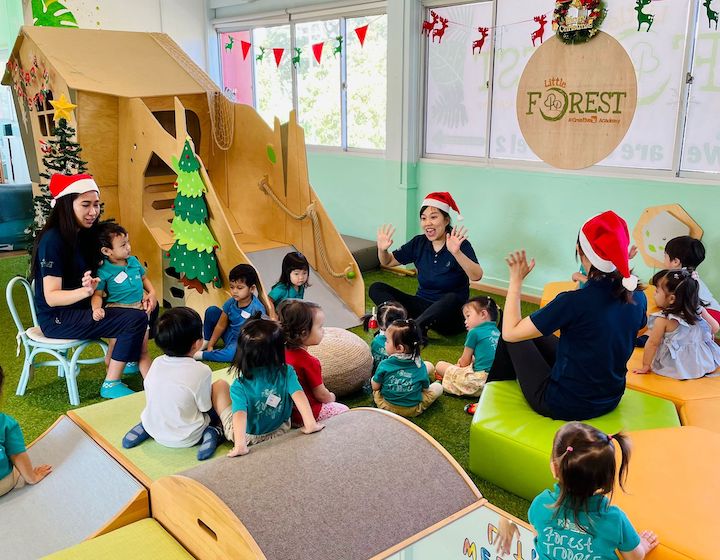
x=138, y=96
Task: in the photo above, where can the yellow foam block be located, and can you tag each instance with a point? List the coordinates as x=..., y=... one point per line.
x=675, y=390
x=673, y=489
x=701, y=413
x=552, y=289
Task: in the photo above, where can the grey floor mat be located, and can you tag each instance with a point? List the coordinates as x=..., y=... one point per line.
x=86, y=489
x=337, y=314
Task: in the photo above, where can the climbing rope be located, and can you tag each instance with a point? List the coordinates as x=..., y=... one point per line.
x=310, y=212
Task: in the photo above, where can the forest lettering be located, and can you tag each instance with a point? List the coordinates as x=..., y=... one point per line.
x=555, y=102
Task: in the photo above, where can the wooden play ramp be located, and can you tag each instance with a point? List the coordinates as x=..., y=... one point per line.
x=87, y=494
x=367, y=482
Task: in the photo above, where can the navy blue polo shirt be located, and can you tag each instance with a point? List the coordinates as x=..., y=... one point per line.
x=51, y=261
x=598, y=333
x=438, y=273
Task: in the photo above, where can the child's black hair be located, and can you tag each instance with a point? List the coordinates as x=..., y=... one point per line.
x=108, y=231
x=261, y=344
x=680, y=283
x=246, y=274
x=387, y=312
x=406, y=333
x=294, y=260
x=485, y=303
x=688, y=250
x=296, y=317
x=177, y=330
x=584, y=459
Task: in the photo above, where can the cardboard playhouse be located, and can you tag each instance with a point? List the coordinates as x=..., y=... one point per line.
x=138, y=97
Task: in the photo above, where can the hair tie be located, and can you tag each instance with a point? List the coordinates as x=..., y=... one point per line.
x=694, y=275
x=610, y=439
x=569, y=449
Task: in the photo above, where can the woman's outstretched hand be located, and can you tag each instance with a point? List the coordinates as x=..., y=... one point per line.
x=385, y=236
x=89, y=283
x=519, y=265
x=454, y=239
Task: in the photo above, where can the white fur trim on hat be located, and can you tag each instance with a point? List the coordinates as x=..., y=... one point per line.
x=80, y=186
x=598, y=262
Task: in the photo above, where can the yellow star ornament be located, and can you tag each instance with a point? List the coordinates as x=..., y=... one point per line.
x=63, y=108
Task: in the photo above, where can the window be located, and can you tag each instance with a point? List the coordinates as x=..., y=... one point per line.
x=673, y=122
x=340, y=101
x=456, y=108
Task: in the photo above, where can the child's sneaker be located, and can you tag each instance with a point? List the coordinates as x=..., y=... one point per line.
x=131, y=368
x=208, y=443
x=114, y=390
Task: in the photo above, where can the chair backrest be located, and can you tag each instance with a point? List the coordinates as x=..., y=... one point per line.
x=11, y=302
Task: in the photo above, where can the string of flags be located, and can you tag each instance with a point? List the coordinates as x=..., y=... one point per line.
x=317, y=48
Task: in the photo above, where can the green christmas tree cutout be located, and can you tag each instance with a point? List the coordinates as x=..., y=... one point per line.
x=193, y=253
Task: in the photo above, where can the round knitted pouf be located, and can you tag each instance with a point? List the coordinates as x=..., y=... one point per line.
x=346, y=360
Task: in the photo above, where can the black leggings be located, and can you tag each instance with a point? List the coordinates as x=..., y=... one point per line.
x=444, y=315
x=530, y=362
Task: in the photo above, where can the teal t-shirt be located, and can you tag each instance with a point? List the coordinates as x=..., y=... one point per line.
x=253, y=396
x=377, y=349
x=122, y=284
x=483, y=340
x=282, y=291
x=402, y=380
x=11, y=443
x=609, y=529
x=582, y=271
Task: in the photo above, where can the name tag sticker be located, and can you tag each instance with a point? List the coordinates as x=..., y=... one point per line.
x=244, y=314
x=273, y=400
x=120, y=278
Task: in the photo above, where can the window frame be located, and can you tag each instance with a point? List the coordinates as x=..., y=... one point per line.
x=291, y=18
x=676, y=172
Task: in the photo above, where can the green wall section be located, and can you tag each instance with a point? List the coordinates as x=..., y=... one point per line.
x=507, y=209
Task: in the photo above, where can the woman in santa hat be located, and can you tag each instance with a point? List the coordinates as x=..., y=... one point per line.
x=445, y=263
x=65, y=256
x=581, y=375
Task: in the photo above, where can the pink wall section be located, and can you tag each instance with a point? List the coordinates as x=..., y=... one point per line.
x=236, y=72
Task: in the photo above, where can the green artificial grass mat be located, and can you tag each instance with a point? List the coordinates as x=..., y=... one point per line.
x=46, y=396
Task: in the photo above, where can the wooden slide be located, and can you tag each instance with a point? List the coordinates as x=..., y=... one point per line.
x=258, y=198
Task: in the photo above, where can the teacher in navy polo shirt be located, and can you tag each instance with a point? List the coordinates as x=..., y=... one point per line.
x=581, y=375
x=445, y=263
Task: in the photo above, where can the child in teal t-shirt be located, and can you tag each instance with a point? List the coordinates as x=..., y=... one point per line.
x=293, y=280
x=576, y=516
x=259, y=403
x=467, y=377
x=386, y=313
x=16, y=468
x=400, y=383
x=123, y=283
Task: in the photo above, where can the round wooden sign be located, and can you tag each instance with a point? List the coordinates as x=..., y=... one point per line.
x=576, y=102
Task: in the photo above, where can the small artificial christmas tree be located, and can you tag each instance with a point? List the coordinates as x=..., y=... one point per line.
x=193, y=253
x=61, y=154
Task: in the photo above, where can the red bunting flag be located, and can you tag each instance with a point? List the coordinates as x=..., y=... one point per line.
x=245, y=48
x=361, y=32
x=317, y=49
x=278, y=53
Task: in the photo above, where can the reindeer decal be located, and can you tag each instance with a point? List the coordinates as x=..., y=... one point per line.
x=428, y=26
x=538, y=33
x=712, y=15
x=481, y=41
x=642, y=17
x=439, y=32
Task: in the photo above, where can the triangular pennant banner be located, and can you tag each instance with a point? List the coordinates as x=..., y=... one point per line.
x=361, y=32
x=317, y=49
x=278, y=53
x=245, y=48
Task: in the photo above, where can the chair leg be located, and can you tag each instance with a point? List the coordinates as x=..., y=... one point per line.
x=24, y=376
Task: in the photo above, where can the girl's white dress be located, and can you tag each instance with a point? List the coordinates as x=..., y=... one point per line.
x=688, y=352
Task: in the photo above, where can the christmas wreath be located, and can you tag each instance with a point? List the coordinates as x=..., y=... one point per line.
x=582, y=28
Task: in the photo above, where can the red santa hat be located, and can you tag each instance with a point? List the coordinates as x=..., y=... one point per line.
x=442, y=200
x=605, y=240
x=61, y=185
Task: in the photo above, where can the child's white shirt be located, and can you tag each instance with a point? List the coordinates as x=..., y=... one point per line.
x=177, y=393
x=707, y=297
